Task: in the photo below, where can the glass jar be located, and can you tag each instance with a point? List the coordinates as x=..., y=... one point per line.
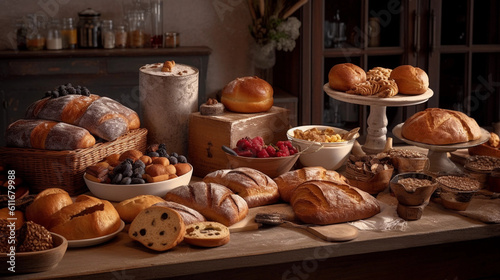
x=107, y=34
x=21, y=33
x=89, y=29
x=172, y=39
x=35, y=38
x=54, y=39
x=120, y=37
x=156, y=17
x=68, y=33
x=136, y=32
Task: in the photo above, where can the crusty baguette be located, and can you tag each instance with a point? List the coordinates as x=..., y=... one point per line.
x=207, y=234
x=289, y=181
x=255, y=187
x=189, y=215
x=45, y=204
x=48, y=135
x=158, y=228
x=214, y=201
x=102, y=116
x=328, y=202
x=128, y=209
x=87, y=217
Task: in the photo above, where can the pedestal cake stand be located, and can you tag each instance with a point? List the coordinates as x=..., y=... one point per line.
x=438, y=154
x=377, y=120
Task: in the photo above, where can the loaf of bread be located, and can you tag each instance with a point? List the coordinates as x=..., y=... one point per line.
x=102, y=116
x=328, y=202
x=88, y=217
x=130, y=208
x=247, y=95
x=45, y=204
x=48, y=135
x=189, y=215
x=158, y=228
x=207, y=234
x=344, y=76
x=410, y=80
x=214, y=201
x=289, y=181
x=255, y=187
x=437, y=126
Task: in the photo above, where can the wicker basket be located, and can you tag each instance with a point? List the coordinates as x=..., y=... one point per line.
x=43, y=169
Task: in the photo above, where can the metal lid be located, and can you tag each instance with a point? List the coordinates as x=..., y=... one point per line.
x=89, y=13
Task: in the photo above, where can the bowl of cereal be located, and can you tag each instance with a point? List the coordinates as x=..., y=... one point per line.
x=321, y=145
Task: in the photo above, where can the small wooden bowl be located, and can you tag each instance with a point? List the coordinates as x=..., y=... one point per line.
x=413, y=196
x=375, y=184
x=272, y=166
x=29, y=262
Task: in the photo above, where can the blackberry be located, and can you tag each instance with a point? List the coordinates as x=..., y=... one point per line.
x=126, y=181
x=174, y=154
x=162, y=146
x=117, y=178
x=162, y=152
x=71, y=90
x=54, y=94
x=153, y=154
x=173, y=160
x=137, y=181
x=182, y=159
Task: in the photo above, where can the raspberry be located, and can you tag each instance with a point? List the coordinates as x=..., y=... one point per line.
x=271, y=150
x=244, y=143
x=263, y=154
x=243, y=153
x=258, y=141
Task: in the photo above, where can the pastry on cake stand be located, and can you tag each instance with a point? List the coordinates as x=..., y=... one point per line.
x=377, y=119
x=438, y=154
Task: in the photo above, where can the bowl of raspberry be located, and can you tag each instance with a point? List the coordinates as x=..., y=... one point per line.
x=271, y=159
x=321, y=145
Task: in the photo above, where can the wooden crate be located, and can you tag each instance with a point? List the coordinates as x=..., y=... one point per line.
x=207, y=134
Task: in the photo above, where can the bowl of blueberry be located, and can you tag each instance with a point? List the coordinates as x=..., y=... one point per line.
x=272, y=159
x=132, y=173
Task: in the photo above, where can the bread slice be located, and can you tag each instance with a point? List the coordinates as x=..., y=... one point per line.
x=158, y=228
x=207, y=234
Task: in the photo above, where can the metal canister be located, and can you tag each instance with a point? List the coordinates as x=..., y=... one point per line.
x=89, y=29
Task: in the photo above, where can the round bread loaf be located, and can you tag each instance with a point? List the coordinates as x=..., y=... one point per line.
x=344, y=76
x=247, y=95
x=45, y=204
x=437, y=126
x=130, y=208
x=410, y=80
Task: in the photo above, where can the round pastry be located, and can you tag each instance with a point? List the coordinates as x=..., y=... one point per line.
x=437, y=126
x=130, y=208
x=46, y=203
x=207, y=234
x=344, y=76
x=211, y=108
x=247, y=95
x=410, y=80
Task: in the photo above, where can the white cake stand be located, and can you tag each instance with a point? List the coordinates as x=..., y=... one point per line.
x=438, y=154
x=377, y=120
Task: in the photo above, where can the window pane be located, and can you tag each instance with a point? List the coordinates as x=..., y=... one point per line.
x=342, y=26
x=452, y=79
x=454, y=22
x=486, y=22
x=386, y=17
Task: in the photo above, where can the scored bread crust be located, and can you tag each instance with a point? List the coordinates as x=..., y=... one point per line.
x=326, y=202
x=87, y=217
x=158, y=228
x=45, y=204
x=207, y=234
x=128, y=209
x=289, y=181
x=189, y=215
x=215, y=202
x=255, y=187
x=440, y=127
x=247, y=95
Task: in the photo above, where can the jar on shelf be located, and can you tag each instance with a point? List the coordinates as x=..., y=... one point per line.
x=89, y=29
x=54, y=39
x=136, y=29
x=120, y=36
x=68, y=33
x=35, y=38
x=107, y=34
x=172, y=39
x=21, y=33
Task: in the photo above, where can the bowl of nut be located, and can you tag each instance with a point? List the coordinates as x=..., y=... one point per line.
x=456, y=191
x=271, y=159
x=132, y=173
x=324, y=146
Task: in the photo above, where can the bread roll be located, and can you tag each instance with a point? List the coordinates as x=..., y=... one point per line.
x=410, y=80
x=158, y=228
x=45, y=204
x=47, y=135
x=87, y=217
x=344, y=76
x=255, y=187
x=189, y=215
x=289, y=181
x=130, y=208
x=214, y=201
x=247, y=95
x=328, y=202
x=207, y=234
x=437, y=126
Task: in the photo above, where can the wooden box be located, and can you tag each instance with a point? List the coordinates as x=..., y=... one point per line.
x=207, y=134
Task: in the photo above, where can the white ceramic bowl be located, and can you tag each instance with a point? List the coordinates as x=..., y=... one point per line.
x=328, y=155
x=115, y=192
